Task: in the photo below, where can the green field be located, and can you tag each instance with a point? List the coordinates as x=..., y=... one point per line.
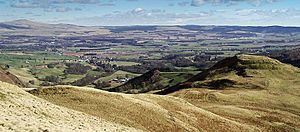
x=32, y=66
x=20, y=60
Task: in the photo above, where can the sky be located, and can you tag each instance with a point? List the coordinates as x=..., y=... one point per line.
x=154, y=12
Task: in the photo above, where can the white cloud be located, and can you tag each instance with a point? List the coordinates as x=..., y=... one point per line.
x=141, y=16
x=47, y=3
x=229, y=2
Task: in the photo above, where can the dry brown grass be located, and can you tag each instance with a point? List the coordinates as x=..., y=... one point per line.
x=195, y=112
x=21, y=111
x=253, y=107
x=268, y=97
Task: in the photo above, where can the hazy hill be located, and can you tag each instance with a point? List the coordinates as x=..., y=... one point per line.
x=256, y=29
x=30, y=28
x=21, y=111
x=242, y=93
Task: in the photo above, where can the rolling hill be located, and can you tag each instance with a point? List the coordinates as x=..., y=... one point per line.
x=22, y=26
x=242, y=71
x=21, y=111
x=241, y=93
x=147, y=112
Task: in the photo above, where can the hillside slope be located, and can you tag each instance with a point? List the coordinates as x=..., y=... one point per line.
x=243, y=71
x=254, y=89
x=242, y=93
x=6, y=76
x=20, y=111
x=144, y=83
x=147, y=112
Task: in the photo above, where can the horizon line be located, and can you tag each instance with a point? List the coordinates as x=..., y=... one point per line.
x=132, y=25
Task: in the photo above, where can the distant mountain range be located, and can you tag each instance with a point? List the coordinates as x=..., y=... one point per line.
x=30, y=28
x=36, y=28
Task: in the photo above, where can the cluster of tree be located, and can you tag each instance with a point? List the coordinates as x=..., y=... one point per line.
x=204, y=61
x=89, y=79
x=103, y=67
x=76, y=68
x=51, y=65
x=146, y=66
x=287, y=56
x=50, y=80
x=199, y=61
x=144, y=83
x=202, y=58
x=53, y=79
x=181, y=62
x=101, y=84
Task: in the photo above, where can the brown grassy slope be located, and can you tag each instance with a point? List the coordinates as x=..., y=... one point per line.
x=264, y=109
x=21, y=111
x=253, y=89
x=144, y=111
x=6, y=76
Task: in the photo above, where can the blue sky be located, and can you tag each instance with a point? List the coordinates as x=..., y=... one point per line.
x=154, y=12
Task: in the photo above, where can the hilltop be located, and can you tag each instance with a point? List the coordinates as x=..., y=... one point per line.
x=241, y=71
